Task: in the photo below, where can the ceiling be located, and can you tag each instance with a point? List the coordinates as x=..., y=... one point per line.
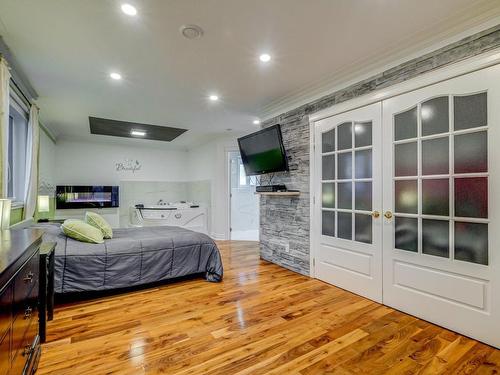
x=68, y=48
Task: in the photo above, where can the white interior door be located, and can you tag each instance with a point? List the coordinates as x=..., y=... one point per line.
x=349, y=237
x=442, y=202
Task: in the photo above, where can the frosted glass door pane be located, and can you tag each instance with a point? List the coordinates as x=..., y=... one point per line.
x=435, y=156
x=345, y=136
x=363, y=164
x=363, y=228
x=363, y=196
x=328, y=141
x=471, y=111
x=406, y=233
x=435, y=116
x=345, y=225
x=405, y=125
x=471, y=242
x=436, y=237
x=328, y=223
x=471, y=153
x=406, y=196
x=405, y=159
x=328, y=166
x=471, y=197
x=363, y=134
x=436, y=197
x=344, y=195
x=328, y=195
x=344, y=169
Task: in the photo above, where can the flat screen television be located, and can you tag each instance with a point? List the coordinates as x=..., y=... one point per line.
x=263, y=151
x=76, y=196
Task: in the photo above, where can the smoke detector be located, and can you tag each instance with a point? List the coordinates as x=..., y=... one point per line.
x=191, y=31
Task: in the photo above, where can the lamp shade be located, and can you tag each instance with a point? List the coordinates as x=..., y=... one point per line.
x=43, y=203
x=5, y=206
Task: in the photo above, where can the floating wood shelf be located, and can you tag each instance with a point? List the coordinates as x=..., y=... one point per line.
x=280, y=193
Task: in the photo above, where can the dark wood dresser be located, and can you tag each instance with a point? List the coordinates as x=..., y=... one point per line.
x=19, y=277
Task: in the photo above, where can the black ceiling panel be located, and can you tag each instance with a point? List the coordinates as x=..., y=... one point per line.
x=123, y=128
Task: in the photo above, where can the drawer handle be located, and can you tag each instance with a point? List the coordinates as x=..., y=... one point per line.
x=27, y=312
x=29, y=277
x=178, y=216
x=27, y=350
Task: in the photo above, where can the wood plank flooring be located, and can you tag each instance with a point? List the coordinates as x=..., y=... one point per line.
x=262, y=319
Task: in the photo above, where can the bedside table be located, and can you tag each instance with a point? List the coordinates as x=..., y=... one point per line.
x=46, y=285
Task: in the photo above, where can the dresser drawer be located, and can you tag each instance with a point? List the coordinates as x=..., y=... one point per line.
x=26, y=279
x=22, y=359
x=26, y=314
x=5, y=310
x=5, y=354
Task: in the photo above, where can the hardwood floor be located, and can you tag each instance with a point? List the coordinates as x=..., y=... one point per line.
x=262, y=319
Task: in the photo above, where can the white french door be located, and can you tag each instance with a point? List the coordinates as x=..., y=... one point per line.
x=441, y=201
x=434, y=175
x=348, y=160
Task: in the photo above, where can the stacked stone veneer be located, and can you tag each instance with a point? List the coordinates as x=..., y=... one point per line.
x=284, y=222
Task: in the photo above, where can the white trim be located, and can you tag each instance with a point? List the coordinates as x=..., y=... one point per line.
x=227, y=187
x=312, y=200
x=463, y=67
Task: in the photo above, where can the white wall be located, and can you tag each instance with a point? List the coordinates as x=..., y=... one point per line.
x=95, y=164
x=209, y=162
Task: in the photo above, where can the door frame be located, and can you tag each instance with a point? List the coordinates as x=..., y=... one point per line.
x=469, y=65
x=227, y=178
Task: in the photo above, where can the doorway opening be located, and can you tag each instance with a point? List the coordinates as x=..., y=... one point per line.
x=243, y=202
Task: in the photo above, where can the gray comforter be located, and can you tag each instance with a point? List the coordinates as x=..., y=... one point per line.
x=134, y=256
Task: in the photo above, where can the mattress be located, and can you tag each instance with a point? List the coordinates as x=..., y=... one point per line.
x=134, y=256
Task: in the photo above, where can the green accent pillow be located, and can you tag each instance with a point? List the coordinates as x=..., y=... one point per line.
x=81, y=231
x=98, y=222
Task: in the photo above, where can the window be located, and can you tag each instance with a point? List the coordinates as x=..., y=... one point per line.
x=17, y=149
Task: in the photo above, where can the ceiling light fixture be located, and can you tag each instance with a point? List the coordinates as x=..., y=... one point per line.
x=256, y=122
x=265, y=57
x=191, y=31
x=138, y=133
x=115, y=76
x=129, y=10
x=213, y=98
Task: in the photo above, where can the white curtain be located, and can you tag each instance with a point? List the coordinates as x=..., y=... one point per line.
x=33, y=143
x=4, y=125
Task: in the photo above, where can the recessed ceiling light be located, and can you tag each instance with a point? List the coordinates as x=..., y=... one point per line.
x=115, y=76
x=265, y=57
x=138, y=133
x=256, y=122
x=213, y=98
x=129, y=10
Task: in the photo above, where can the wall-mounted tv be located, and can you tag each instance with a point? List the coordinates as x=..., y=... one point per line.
x=76, y=196
x=263, y=151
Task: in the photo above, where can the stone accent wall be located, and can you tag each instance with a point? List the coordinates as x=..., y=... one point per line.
x=284, y=222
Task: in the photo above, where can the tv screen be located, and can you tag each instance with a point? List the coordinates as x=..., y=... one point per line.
x=263, y=151
x=86, y=196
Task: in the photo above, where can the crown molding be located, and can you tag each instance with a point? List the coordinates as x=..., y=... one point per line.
x=421, y=44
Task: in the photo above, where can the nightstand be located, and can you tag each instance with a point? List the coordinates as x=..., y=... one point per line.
x=46, y=296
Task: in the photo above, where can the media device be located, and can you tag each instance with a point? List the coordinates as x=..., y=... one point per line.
x=263, y=151
x=270, y=188
x=76, y=196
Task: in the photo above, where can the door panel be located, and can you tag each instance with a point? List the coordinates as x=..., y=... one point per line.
x=348, y=163
x=441, y=178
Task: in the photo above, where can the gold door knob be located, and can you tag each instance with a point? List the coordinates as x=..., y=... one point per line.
x=388, y=215
x=375, y=214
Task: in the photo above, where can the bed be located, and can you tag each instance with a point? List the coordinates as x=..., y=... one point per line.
x=134, y=256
